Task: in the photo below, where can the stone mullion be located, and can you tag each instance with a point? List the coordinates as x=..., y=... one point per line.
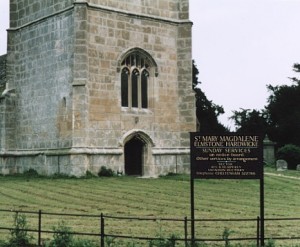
x=140, y=91
x=129, y=91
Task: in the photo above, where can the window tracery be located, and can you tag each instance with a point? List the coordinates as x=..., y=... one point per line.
x=135, y=75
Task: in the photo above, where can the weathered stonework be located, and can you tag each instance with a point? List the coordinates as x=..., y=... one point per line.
x=64, y=60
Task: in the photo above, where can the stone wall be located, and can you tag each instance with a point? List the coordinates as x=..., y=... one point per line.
x=170, y=109
x=171, y=9
x=7, y=121
x=40, y=69
x=24, y=12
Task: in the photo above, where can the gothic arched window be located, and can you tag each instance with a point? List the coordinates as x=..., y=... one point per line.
x=135, y=74
x=124, y=86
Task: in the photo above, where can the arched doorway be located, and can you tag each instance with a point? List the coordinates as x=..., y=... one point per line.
x=134, y=157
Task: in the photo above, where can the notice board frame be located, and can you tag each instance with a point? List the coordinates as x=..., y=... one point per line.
x=226, y=156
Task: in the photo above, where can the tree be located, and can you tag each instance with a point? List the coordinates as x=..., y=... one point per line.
x=206, y=111
x=284, y=112
x=250, y=121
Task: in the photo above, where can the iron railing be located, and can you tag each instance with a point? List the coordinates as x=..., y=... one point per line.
x=107, y=226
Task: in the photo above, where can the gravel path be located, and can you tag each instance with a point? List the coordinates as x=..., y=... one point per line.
x=280, y=175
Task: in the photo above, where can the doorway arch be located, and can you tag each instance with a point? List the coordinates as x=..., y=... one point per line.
x=134, y=157
x=138, y=158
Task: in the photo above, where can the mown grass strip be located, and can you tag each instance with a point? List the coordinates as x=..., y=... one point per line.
x=163, y=197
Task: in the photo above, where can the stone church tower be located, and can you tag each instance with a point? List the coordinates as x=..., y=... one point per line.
x=93, y=83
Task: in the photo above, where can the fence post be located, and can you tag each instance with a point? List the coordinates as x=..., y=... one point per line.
x=185, y=231
x=40, y=228
x=102, y=230
x=257, y=230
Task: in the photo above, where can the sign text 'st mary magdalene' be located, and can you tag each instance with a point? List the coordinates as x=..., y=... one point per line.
x=226, y=156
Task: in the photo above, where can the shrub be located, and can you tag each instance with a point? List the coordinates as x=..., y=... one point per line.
x=161, y=240
x=2, y=243
x=62, y=236
x=291, y=154
x=171, y=174
x=225, y=236
x=19, y=235
x=105, y=172
x=170, y=242
x=197, y=244
x=270, y=243
x=31, y=173
x=89, y=174
x=82, y=243
x=109, y=241
x=61, y=176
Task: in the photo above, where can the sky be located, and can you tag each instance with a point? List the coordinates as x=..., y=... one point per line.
x=239, y=47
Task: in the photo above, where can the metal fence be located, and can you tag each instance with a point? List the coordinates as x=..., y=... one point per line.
x=104, y=226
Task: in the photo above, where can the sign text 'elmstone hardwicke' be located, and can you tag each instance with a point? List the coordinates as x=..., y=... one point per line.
x=230, y=156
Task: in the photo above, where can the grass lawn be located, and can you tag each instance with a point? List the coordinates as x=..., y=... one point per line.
x=166, y=197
